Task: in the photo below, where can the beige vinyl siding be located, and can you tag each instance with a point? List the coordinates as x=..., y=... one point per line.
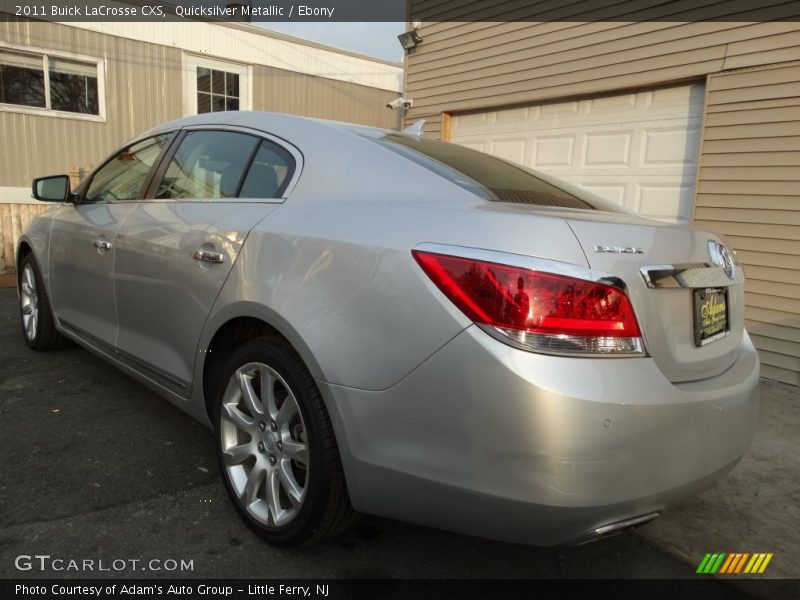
x=285, y=91
x=473, y=66
x=590, y=10
x=749, y=190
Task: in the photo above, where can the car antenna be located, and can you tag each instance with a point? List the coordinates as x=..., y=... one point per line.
x=415, y=128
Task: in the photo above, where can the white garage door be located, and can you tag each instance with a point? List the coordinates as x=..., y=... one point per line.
x=637, y=149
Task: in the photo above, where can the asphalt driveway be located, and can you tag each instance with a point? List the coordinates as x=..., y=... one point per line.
x=96, y=466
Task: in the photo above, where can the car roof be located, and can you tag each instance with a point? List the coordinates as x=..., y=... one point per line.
x=269, y=122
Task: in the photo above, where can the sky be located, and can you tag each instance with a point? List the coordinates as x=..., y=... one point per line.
x=375, y=39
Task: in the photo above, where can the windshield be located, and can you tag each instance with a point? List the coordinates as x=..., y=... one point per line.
x=491, y=177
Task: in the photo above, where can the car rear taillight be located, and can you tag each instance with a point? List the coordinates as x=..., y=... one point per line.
x=537, y=310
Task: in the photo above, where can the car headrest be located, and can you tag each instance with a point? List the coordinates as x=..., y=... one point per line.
x=261, y=182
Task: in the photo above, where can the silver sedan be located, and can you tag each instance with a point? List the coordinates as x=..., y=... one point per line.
x=372, y=321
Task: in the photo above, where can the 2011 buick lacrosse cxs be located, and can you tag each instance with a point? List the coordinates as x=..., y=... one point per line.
x=372, y=321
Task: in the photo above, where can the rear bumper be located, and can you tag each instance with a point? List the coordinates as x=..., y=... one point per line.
x=489, y=440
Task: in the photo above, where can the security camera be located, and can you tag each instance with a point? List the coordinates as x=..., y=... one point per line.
x=400, y=103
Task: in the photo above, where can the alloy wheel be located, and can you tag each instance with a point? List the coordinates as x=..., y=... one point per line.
x=29, y=303
x=264, y=444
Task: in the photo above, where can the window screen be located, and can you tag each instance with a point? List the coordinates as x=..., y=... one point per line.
x=73, y=86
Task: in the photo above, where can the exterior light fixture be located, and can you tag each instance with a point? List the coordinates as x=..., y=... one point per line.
x=410, y=39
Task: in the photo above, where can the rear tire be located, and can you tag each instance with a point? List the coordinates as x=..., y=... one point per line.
x=276, y=448
x=36, y=316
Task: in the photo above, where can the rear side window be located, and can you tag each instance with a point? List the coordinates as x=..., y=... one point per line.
x=491, y=177
x=207, y=164
x=269, y=173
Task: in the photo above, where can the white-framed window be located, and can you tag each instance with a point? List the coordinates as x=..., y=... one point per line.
x=212, y=85
x=51, y=83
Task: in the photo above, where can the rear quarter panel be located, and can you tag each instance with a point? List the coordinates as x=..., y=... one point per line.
x=332, y=267
x=340, y=279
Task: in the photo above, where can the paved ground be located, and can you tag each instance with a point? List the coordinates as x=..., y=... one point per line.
x=96, y=466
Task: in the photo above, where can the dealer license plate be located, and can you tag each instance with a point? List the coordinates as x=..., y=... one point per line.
x=710, y=315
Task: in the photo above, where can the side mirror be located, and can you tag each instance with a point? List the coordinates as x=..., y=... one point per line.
x=52, y=189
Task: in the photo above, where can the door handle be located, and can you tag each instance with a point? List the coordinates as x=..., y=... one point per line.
x=102, y=244
x=208, y=256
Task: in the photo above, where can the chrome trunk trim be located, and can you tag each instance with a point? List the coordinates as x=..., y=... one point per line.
x=688, y=275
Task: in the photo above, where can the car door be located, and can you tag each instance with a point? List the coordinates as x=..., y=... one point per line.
x=176, y=248
x=83, y=238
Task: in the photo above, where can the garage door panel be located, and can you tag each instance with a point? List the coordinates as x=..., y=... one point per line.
x=666, y=202
x=510, y=149
x=611, y=104
x=612, y=192
x=607, y=149
x=670, y=146
x=637, y=149
x=479, y=146
x=554, y=151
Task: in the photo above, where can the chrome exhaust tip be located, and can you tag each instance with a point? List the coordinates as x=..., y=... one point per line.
x=606, y=531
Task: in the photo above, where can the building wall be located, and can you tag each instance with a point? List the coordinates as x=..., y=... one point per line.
x=748, y=183
x=473, y=66
x=749, y=190
x=144, y=88
x=285, y=91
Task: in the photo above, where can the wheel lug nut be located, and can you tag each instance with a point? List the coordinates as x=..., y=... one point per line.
x=279, y=446
x=260, y=447
x=272, y=460
x=272, y=425
x=262, y=426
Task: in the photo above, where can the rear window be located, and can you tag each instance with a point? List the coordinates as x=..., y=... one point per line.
x=493, y=178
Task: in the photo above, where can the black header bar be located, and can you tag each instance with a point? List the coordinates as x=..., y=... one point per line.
x=426, y=11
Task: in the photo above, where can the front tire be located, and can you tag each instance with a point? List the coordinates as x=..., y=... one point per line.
x=276, y=448
x=36, y=317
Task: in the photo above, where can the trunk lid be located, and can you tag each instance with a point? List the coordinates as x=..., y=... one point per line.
x=666, y=306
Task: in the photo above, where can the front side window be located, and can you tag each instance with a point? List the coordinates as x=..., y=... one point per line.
x=123, y=177
x=217, y=90
x=207, y=164
x=67, y=85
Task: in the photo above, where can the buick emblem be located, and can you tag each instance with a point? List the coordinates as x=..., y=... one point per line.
x=721, y=257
